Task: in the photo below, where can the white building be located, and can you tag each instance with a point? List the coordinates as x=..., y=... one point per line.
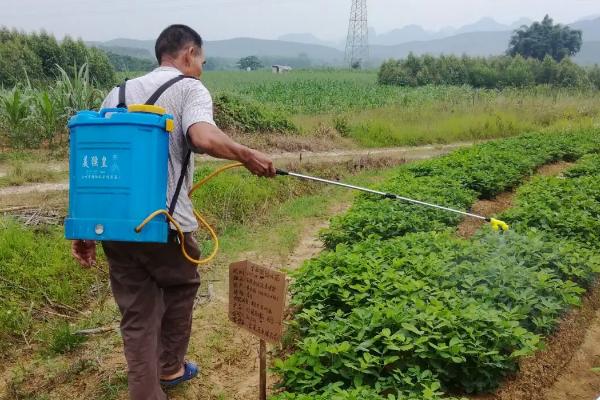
x=281, y=69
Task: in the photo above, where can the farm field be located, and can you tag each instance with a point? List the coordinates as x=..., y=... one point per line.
x=320, y=110
x=431, y=230
x=389, y=301
x=398, y=306
x=350, y=105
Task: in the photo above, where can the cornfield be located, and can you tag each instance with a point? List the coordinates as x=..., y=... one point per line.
x=31, y=117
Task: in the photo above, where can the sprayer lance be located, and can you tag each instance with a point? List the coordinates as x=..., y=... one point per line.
x=496, y=224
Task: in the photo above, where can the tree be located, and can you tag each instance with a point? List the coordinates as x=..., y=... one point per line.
x=101, y=70
x=547, y=71
x=519, y=73
x=594, y=76
x=18, y=63
x=572, y=75
x=545, y=38
x=47, y=49
x=251, y=62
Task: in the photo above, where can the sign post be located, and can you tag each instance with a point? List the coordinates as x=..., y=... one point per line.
x=262, y=387
x=257, y=303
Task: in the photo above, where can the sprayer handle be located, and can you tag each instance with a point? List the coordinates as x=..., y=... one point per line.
x=281, y=172
x=105, y=111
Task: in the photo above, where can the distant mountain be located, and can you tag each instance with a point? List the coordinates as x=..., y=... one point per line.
x=482, y=43
x=589, y=54
x=242, y=47
x=409, y=33
x=142, y=53
x=519, y=23
x=589, y=17
x=415, y=33
x=590, y=28
x=147, y=45
x=486, y=24
x=308, y=38
x=473, y=44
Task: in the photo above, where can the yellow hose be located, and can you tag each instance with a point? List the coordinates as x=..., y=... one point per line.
x=198, y=216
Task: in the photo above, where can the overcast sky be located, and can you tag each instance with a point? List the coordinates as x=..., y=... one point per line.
x=223, y=19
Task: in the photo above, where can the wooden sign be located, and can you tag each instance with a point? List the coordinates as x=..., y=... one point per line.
x=257, y=299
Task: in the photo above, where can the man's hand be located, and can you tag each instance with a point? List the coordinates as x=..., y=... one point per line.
x=84, y=251
x=259, y=164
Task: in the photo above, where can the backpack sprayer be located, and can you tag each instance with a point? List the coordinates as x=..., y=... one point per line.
x=118, y=177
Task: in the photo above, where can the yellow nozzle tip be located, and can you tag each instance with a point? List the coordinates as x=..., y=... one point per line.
x=498, y=225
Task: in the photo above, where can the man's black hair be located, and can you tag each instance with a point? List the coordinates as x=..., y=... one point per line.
x=175, y=38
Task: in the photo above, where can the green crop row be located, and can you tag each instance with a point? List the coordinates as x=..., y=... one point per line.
x=587, y=166
x=456, y=181
x=544, y=204
x=423, y=314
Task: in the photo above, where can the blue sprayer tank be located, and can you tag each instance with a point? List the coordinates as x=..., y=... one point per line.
x=118, y=174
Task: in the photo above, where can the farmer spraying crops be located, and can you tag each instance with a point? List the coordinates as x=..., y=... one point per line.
x=153, y=284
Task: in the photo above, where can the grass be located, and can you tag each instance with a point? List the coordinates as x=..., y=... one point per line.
x=260, y=219
x=62, y=339
x=20, y=173
x=38, y=279
x=488, y=115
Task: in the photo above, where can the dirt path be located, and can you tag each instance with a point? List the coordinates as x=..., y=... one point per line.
x=578, y=381
x=38, y=187
x=229, y=354
x=407, y=153
x=310, y=245
x=284, y=159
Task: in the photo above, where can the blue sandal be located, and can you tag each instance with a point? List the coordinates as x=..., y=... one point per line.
x=190, y=371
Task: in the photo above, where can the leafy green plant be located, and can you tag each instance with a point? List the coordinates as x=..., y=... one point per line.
x=342, y=126
x=417, y=312
x=587, y=166
x=15, y=117
x=49, y=119
x=568, y=208
x=76, y=92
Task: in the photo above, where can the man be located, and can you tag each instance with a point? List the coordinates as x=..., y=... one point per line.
x=153, y=285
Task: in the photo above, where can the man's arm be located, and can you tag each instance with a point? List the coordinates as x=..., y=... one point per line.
x=214, y=142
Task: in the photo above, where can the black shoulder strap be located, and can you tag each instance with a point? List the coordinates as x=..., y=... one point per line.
x=184, y=167
x=151, y=101
x=154, y=98
x=122, y=103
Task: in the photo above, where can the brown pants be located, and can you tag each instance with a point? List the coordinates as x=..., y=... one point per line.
x=154, y=287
